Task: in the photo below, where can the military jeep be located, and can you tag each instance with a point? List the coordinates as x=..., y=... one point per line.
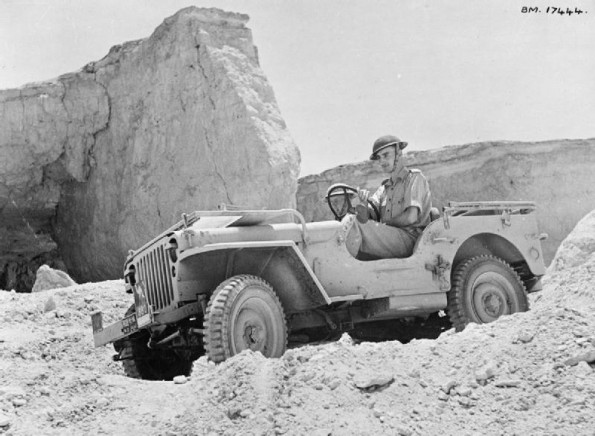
x=219, y=282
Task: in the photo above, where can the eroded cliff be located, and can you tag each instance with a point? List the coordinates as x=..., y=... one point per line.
x=98, y=161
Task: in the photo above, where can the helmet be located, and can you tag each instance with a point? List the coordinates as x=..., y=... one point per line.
x=386, y=141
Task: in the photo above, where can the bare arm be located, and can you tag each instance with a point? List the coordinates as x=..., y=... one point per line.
x=405, y=218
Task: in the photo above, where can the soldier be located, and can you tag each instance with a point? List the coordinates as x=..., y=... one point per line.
x=404, y=203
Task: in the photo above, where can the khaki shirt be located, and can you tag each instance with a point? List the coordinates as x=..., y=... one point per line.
x=404, y=189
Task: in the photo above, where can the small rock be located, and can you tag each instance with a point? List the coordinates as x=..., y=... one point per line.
x=403, y=430
x=233, y=412
x=423, y=383
x=245, y=413
x=375, y=382
x=442, y=396
x=584, y=357
x=308, y=376
x=414, y=373
x=464, y=401
x=49, y=305
x=4, y=420
x=446, y=387
x=525, y=337
x=44, y=391
x=318, y=387
x=102, y=402
x=180, y=379
x=507, y=383
x=334, y=384
x=18, y=402
x=464, y=391
x=486, y=372
x=88, y=298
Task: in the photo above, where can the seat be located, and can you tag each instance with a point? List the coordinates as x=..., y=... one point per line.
x=434, y=214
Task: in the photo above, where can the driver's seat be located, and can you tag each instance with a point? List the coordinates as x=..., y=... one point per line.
x=434, y=214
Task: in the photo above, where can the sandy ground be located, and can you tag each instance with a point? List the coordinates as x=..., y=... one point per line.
x=524, y=374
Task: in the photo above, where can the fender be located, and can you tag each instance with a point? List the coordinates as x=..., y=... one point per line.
x=280, y=263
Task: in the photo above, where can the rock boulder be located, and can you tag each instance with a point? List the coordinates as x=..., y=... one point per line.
x=579, y=246
x=48, y=278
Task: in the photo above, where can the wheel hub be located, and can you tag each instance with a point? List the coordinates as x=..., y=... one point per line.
x=252, y=336
x=491, y=301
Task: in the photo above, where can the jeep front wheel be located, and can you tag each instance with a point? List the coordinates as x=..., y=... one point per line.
x=244, y=313
x=484, y=288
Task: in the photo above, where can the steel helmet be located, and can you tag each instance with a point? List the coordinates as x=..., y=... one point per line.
x=386, y=141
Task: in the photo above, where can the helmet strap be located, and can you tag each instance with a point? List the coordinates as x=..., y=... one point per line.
x=397, y=156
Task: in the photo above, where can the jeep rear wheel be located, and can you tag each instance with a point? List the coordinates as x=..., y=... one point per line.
x=244, y=313
x=484, y=288
x=145, y=363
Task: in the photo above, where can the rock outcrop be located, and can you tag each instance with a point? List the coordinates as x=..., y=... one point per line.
x=98, y=161
x=557, y=175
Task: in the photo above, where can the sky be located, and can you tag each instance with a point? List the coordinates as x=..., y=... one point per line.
x=344, y=72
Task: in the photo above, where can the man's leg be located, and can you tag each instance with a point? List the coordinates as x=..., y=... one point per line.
x=385, y=241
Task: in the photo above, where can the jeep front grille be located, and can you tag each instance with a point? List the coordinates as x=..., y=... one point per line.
x=153, y=271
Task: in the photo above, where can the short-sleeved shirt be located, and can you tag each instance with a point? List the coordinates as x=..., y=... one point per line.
x=405, y=188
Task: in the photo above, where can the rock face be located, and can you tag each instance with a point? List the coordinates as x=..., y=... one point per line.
x=557, y=175
x=98, y=161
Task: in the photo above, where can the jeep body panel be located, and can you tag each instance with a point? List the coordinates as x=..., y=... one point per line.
x=309, y=266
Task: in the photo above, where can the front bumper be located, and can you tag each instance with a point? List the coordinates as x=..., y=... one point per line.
x=113, y=332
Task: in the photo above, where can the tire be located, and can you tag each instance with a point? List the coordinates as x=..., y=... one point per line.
x=244, y=313
x=484, y=288
x=149, y=364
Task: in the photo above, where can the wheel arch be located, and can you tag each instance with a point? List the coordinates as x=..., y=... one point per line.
x=281, y=264
x=499, y=246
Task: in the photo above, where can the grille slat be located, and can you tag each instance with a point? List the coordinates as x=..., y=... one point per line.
x=161, y=260
x=153, y=270
x=170, y=286
x=154, y=279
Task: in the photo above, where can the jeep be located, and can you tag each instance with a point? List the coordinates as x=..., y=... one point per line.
x=219, y=282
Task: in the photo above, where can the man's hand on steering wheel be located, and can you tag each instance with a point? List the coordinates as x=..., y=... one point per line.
x=363, y=195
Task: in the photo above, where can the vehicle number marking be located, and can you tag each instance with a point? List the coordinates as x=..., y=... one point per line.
x=129, y=324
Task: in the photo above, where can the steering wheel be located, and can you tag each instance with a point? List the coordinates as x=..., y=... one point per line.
x=339, y=198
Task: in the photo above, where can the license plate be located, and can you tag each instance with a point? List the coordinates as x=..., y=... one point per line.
x=129, y=324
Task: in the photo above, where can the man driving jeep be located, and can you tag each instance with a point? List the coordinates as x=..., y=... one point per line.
x=404, y=203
